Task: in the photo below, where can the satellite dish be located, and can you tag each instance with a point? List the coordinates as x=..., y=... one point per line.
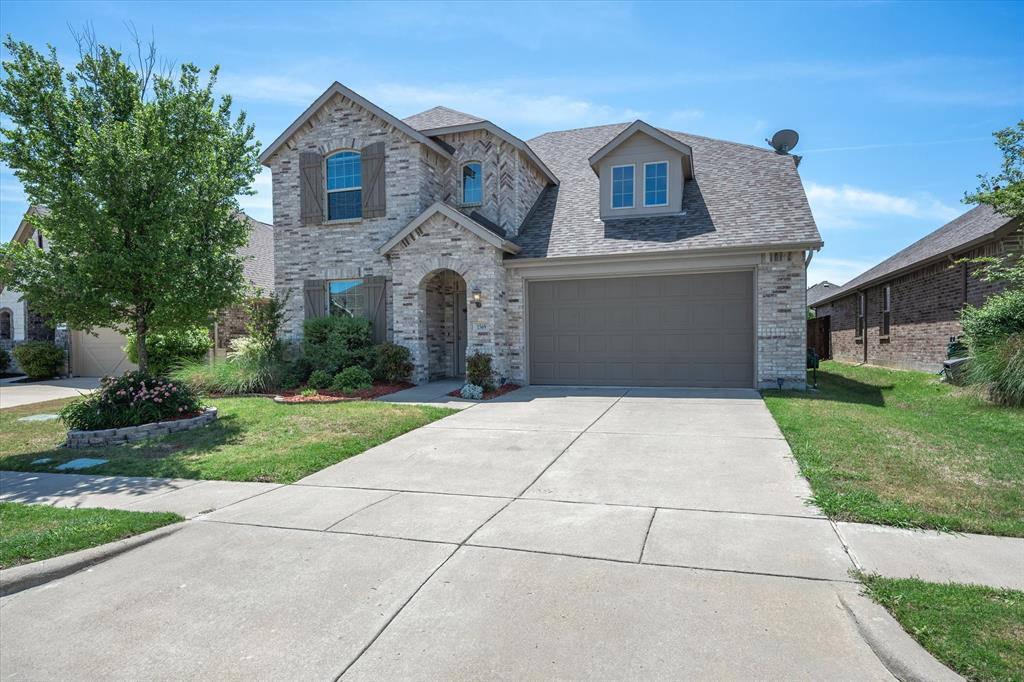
x=784, y=140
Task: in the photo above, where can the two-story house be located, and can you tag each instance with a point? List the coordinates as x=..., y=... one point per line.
x=615, y=255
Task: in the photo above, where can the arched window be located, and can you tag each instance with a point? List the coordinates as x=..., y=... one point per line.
x=344, y=186
x=6, y=331
x=472, y=183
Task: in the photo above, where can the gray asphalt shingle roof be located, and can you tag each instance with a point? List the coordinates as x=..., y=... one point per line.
x=820, y=291
x=741, y=196
x=258, y=266
x=978, y=224
x=440, y=117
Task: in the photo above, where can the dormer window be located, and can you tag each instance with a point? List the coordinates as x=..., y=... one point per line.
x=656, y=184
x=622, y=186
x=472, y=183
x=344, y=186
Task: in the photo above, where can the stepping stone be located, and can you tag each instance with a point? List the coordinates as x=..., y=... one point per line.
x=81, y=463
x=42, y=460
x=38, y=418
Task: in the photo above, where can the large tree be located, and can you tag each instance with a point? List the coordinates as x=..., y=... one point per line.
x=139, y=171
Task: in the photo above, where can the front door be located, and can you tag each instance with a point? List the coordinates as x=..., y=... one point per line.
x=460, y=332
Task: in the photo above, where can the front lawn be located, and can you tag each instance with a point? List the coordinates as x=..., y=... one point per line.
x=254, y=439
x=902, y=448
x=31, y=532
x=977, y=631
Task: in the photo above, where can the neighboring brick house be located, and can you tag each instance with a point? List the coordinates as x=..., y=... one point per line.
x=102, y=352
x=902, y=312
x=618, y=255
x=820, y=291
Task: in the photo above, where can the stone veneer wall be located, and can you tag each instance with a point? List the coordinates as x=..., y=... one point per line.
x=440, y=244
x=341, y=250
x=511, y=182
x=781, y=320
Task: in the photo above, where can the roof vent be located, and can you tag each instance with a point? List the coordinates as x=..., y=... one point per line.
x=784, y=141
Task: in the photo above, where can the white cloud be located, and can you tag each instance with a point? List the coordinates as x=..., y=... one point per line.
x=497, y=104
x=836, y=270
x=281, y=89
x=846, y=206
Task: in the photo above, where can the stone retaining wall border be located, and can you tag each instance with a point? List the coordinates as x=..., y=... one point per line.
x=129, y=434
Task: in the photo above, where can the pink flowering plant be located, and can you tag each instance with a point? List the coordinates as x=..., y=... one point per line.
x=129, y=400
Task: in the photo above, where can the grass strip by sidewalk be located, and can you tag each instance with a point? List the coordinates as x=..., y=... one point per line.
x=977, y=631
x=905, y=449
x=253, y=439
x=30, y=532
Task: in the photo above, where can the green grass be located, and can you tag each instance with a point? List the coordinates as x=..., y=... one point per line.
x=254, y=439
x=902, y=448
x=976, y=631
x=30, y=532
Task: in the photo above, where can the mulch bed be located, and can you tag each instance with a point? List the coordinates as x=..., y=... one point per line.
x=329, y=396
x=500, y=391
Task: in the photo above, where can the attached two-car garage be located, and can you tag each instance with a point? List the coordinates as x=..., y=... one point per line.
x=659, y=330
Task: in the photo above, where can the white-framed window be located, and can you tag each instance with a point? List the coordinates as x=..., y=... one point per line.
x=346, y=298
x=472, y=183
x=622, y=186
x=886, y=310
x=344, y=186
x=656, y=183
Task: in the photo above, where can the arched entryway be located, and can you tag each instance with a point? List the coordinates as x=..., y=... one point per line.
x=446, y=328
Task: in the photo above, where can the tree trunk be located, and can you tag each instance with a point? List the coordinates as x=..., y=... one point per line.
x=140, y=343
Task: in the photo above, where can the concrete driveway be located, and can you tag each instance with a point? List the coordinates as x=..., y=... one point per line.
x=573, y=534
x=13, y=394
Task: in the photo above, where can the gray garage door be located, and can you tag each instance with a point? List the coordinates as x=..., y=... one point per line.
x=666, y=330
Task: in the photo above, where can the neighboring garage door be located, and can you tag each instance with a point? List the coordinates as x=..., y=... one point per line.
x=97, y=356
x=665, y=330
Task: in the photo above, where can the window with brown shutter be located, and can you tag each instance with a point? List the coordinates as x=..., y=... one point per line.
x=311, y=188
x=886, y=312
x=374, y=199
x=314, y=298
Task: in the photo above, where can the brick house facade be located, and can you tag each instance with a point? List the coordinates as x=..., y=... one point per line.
x=927, y=289
x=446, y=277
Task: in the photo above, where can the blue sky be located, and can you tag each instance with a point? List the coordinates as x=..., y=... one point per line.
x=895, y=102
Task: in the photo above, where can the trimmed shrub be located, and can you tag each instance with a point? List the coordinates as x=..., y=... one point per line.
x=169, y=349
x=319, y=379
x=392, y=363
x=472, y=392
x=5, y=360
x=39, y=359
x=479, y=371
x=333, y=343
x=130, y=400
x=351, y=379
x=296, y=373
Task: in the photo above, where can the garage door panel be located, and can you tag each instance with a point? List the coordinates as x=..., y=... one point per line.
x=672, y=330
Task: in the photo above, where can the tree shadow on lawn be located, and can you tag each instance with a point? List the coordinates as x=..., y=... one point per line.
x=224, y=431
x=837, y=388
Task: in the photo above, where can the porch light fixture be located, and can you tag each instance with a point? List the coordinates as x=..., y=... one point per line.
x=477, y=298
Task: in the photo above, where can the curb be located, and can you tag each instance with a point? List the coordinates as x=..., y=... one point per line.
x=19, y=578
x=907, y=660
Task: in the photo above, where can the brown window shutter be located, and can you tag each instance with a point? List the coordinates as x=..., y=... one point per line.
x=374, y=200
x=376, y=307
x=311, y=188
x=314, y=298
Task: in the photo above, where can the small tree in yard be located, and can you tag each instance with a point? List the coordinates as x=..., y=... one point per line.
x=139, y=171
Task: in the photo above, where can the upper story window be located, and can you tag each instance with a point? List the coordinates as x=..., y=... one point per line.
x=344, y=186
x=656, y=184
x=622, y=186
x=472, y=183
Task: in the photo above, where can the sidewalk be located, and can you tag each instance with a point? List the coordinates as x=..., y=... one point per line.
x=185, y=497
x=934, y=556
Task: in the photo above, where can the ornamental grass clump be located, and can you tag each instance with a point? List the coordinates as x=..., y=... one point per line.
x=130, y=400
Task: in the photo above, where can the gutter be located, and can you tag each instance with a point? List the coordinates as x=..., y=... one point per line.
x=662, y=254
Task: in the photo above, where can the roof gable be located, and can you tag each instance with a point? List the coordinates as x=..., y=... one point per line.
x=459, y=218
x=439, y=117
x=640, y=127
x=337, y=88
